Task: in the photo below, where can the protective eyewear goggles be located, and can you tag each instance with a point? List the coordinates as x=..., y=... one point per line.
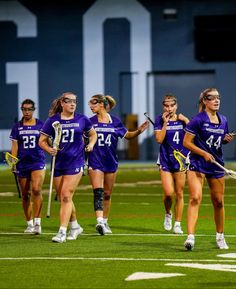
x=212, y=97
x=94, y=101
x=27, y=108
x=69, y=100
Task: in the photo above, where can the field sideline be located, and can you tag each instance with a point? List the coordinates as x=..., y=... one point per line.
x=139, y=253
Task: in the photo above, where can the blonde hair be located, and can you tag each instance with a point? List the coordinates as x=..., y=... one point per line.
x=111, y=101
x=101, y=99
x=56, y=104
x=203, y=94
x=169, y=97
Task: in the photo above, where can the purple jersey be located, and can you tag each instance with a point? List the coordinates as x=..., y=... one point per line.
x=30, y=155
x=172, y=141
x=71, y=147
x=104, y=155
x=209, y=137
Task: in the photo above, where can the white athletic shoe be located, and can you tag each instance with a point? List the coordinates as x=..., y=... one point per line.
x=101, y=229
x=108, y=229
x=168, y=222
x=37, y=229
x=221, y=244
x=189, y=243
x=29, y=230
x=177, y=230
x=74, y=233
x=59, y=238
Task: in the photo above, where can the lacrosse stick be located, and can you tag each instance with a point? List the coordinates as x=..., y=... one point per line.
x=148, y=117
x=233, y=133
x=58, y=130
x=12, y=161
x=86, y=154
x=229, y=173
x=181, y=159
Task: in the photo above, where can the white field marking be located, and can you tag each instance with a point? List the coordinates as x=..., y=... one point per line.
x=7, y=194
x=214, y=267
x=228, y=255
x=125, y=234
x=122, y=259
x=147, y=275
x=126, y=194
x=119, y=203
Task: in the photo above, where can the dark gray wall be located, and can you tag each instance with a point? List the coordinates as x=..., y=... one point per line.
x=58, y=51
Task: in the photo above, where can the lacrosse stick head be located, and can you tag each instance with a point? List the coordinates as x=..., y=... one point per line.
x=11, y=160
x=58, y=131
x=181, y=159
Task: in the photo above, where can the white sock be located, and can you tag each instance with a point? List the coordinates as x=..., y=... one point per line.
x=74, y=224
x=100, y=220
x=105, y=220
x=219, y=235
x=62, y=229
x=30, y=223
x=191, y=236
x=37, y=221
x=177, y=223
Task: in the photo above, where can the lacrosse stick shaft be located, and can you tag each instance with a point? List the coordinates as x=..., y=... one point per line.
x=219, y=165
x=148, y=117
x=17, y=185
x=50, y=187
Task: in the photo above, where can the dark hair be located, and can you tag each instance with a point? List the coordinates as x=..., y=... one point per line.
x=28, y=101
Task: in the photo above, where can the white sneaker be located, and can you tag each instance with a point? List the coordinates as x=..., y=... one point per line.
x=101, y=229
x=59, y=238
x=168, y=222
x=37, y=229
x=221, y=244
x=29, y=229
x=74, y=233
x=177, y=230
x=108, y=229
x=189, y=244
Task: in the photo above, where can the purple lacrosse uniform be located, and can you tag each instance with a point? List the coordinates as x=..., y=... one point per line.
x=209, y=137
x=172, y=141
x=104, y=155
x=31, y=156
x=70, y=156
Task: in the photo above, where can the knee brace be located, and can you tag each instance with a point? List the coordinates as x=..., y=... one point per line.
x=98, y=199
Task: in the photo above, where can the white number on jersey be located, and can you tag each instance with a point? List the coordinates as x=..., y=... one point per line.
x=210, y=141
x=176, y=137
x=29, y=141
x=68, y=135
x=102, y=142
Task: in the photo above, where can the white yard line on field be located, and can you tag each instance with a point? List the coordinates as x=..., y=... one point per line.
x=116, y=259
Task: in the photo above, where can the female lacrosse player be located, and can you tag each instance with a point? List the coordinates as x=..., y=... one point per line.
x=103, y=161
x=69, y=158
x=204, y=136
x=31, y=167
x=169, y=133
